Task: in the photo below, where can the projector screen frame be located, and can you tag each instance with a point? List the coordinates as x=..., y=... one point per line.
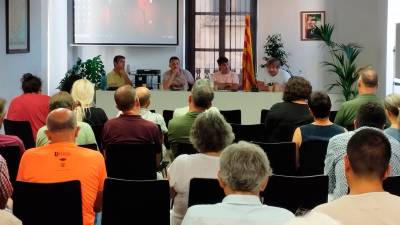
x=74, y=43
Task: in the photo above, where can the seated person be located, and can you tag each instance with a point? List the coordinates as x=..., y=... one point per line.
x=176, y=79
x=8, y=140
x=243, y=174
x=42, y=164
x=392, y=106
x=6, y=189
x=210, y=134
x=64, y=100
x=118, y=76
x=275, y=79
x=366, y=165
x=322, y=128
x=225, y=79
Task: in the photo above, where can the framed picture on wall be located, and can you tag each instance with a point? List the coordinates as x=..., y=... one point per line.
x=17, y=26
x=309, y=20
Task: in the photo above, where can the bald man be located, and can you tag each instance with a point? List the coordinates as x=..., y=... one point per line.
x=62, y=160
x=367, y=85
x=144, y=95
x=130, y=127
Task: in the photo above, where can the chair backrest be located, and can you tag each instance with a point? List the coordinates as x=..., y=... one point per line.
x=296, y=193
x=282, y=157
x=264, y=113
x=392, y=185
x=167, y=114
x=12, y=155
x=90, y=146
x=232, y=116
x=43, y=203
x=184, y=148
x=250, y=132
x=312, y=157
x=332, y=115
x=125, y=202
x=205, y=191
x=98, y=131
x=131, y=161
x=21, y=129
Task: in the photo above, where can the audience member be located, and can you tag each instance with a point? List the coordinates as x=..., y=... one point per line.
x=225, y=79
x=322, y=128
x=209, y=134
x=118, y=76
x=7, y=218
x=370, y=115
x=366, y=165
x=284, y=117
x=243, y=174
x=31, y=106
x=43, y=165
x=5, y=185
x=392, y=106
x=275, y=79
x=64, y=100
x=8, y=140
x=176, y=78
x=83, y=94
x=367, y=86
x=144, y=95
x=130, y=127
x=200, y=99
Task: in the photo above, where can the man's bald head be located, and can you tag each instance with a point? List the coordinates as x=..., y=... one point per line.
x=61, y=119
x=125, y=97
x=368, y=77
x=143, y=94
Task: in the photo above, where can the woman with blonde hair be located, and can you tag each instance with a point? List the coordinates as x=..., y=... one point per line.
x=83, y=94
x=392, y=108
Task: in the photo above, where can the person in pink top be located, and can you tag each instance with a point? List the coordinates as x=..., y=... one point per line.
x=31, y=106
x=225, y=79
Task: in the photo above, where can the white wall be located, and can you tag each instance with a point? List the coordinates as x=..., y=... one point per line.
x=393, y=19
x=14, y=65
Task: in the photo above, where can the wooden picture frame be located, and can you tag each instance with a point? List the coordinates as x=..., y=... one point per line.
x=17, y=26
x=308, y=21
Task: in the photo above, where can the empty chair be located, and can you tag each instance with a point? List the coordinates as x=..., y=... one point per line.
x=392, y=185
x=167, y=114
x=131, y=202
x=90, y=146
x=184, y=148
x=98, y=131
x=198, y=195
x=232, y=116
x=251, y=132
x=21, y=129
x=282, y=157
x=48, y=203
x=131, y=161
x=312, y=157
x=264, y=113
x=12, y=155
x=296, y=193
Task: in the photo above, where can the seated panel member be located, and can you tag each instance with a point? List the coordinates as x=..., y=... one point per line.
x=176, y=78
x=118, y=76
x=225, y=79
x=275, y=79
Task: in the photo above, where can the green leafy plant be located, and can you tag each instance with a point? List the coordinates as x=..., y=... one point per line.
x=342, y=63
x=273, y=48
x=91, y=69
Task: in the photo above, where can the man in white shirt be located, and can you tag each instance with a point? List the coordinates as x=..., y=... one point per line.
x=275, y=79
x=244, y=172
x=225, y=79
x=366, y=165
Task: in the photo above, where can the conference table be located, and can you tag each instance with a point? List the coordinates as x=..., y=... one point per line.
x=250, y=103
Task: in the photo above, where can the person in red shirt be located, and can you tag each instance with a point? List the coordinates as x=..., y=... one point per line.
x=31, y=106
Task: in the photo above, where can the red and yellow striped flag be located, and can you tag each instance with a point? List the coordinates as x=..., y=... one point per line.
x=248, y=78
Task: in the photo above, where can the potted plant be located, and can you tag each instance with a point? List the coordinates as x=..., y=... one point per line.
x=273, y=48
x=342, y=62
x=91, y=69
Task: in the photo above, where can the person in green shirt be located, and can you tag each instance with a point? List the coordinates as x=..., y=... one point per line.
x=118, y=76
x=367, y=86
x=200, y=99
x=64, y=100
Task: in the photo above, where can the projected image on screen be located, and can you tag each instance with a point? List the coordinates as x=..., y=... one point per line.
x=126, y=22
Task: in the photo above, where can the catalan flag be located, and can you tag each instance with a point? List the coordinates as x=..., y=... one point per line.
x=248, y=78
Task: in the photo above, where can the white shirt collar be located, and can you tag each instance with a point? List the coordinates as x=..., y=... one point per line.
x=242, y=199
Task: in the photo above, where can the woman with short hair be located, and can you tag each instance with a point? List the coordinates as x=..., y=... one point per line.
x=392, y=109
x=210, y=134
